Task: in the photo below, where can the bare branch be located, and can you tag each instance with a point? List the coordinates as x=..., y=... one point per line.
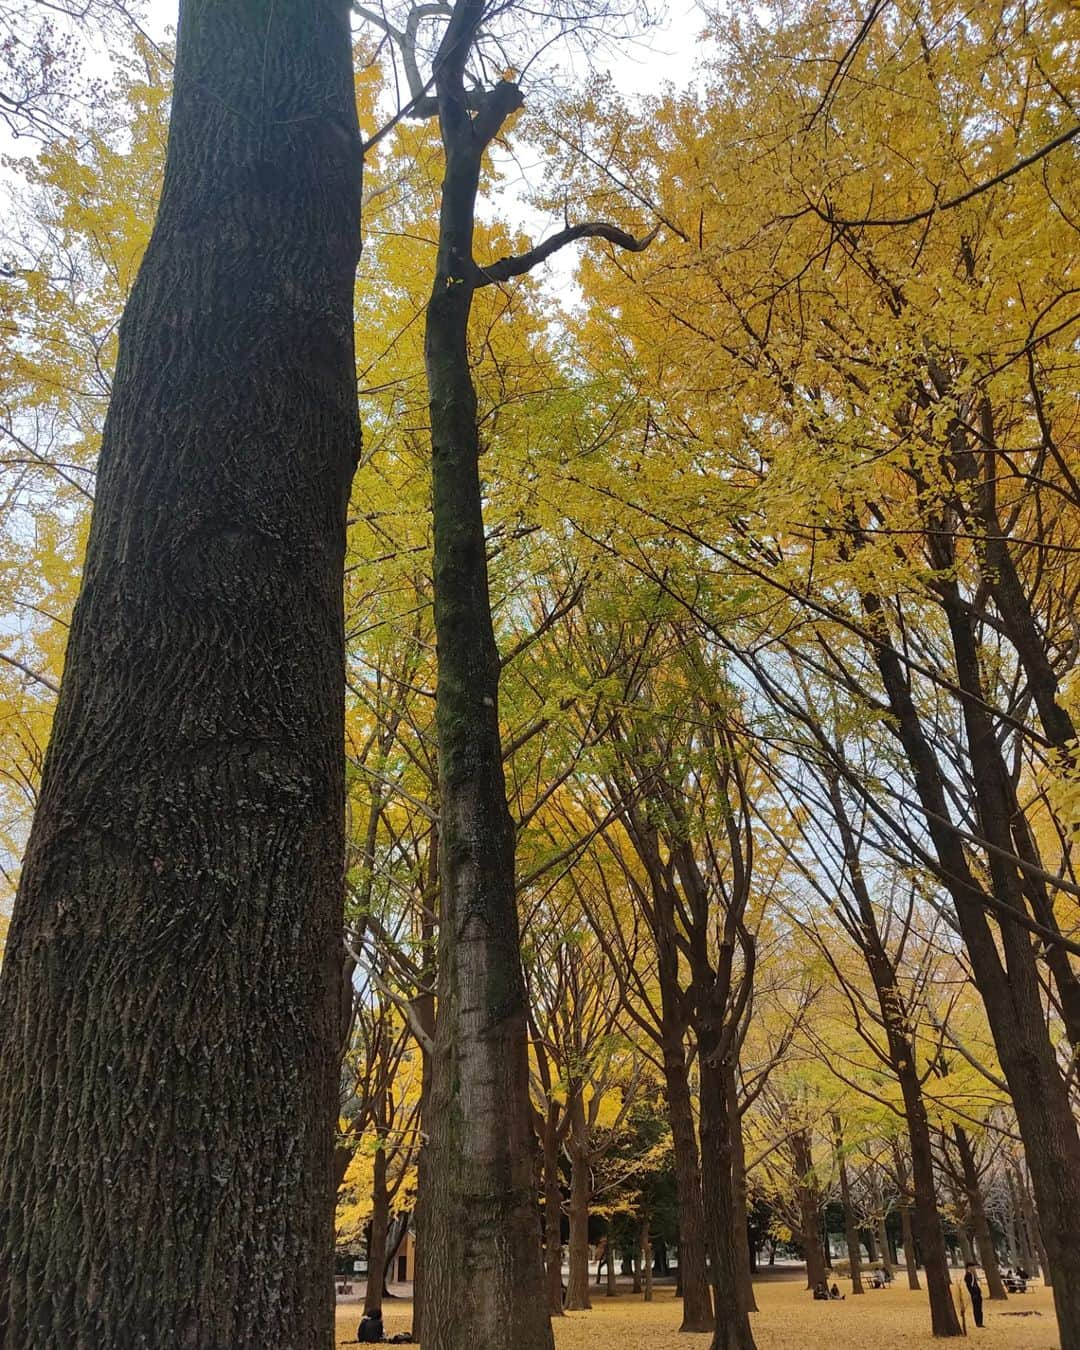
x=517, y=266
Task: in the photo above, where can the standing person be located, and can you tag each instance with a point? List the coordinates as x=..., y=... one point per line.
x=971, y=1280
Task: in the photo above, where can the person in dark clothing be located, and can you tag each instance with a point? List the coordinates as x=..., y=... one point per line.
x=971, y=1282
x=370, y=1331
x=834, y=1292
x=820, y=1291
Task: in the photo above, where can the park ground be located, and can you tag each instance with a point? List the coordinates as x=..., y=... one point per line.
x=887, y=1319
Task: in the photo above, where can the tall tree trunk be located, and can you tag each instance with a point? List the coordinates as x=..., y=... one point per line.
x=424, y=1008
x=883, y=1244
x=902, y=1058
x=744, y=1285
x=612, y=1275
x=731, y=1322
x=980, y=1228
x=809, y=1197
x=377, y=1234
x=552, y=1218
x=1035, y=1238
x=577, y=1284
x=170, y=995
x=693, y=1276
x=483, y=1273
x=647, y=1257
x=1007, y=980
x=910, y=1263
x=851, y=1232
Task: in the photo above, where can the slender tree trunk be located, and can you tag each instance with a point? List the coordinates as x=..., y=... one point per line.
x=895, y=1020
x=910, y=1264
x=693, y=1276
x=483, y=1272
x=399, y=1229
x=377, y=1235
x=731, y=1322
x=744, y=1286
x=552, y=1219
x=424, y=1007
x=612, y=1275
x=943, y=1317
x=883, y=1244
x=170, y=995
x=851, y=1232
x=1007, y=980
x=977, y=1215
x=647, y=1258
x=577, y=1285
x=1035, y=1239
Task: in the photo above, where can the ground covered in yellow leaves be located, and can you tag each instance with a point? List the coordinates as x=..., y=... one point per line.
x=888, y=1319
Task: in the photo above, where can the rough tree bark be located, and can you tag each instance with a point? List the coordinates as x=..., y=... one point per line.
x=171, y=991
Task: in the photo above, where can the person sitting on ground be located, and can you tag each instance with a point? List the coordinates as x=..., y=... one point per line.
x=834, y=1292
x=820, y=1291
x=370, y=1330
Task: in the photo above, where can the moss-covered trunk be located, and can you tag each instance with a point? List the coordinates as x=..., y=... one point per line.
x=170, y=993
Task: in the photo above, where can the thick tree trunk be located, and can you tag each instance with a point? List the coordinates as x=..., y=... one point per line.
x=377, y=1235
x=809, y=1197
x=980, y=1228
x=483, y=1272
x=693, y=1276
x=731, y=1324
x=170, y=996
